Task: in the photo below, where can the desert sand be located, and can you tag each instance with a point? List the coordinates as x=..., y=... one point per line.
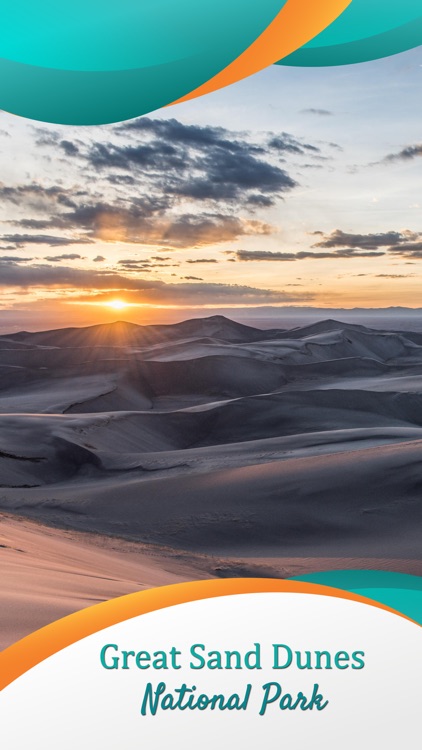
x=135, y=456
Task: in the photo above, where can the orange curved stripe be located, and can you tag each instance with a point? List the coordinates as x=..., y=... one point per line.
x=297, y=23
x=30, y=651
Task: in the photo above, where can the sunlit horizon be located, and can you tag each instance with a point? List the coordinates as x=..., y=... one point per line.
x=296, y=188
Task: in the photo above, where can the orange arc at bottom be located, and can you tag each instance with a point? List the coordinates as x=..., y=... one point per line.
x=35, y=648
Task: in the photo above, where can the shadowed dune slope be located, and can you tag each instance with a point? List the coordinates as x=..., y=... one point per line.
x=213, y=436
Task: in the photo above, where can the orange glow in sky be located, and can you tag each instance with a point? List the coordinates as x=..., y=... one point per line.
x=117, y=304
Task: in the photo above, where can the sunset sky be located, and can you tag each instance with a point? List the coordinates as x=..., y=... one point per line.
x=294, y=187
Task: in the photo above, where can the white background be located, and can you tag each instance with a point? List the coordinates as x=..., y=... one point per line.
x=69, y=701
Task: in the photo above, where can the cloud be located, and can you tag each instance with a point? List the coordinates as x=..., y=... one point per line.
x=193, y=136
x=188, y=230
x=314, y=111
x=135, y=267
x=259, y=201
x=121, y=179
x=230, y=177
x=406, y=154
x=69, y=148
x=143, y=221
x=137, y=264
x=155, y=156
x=47, y=276
x=37, y=196
x=407, y=254
x=21, y=240
x=286, y=143
x=202, y=260
x=263, y=255
x=338, y=238
x=202, y=163
x=267, y=255
x=158, y=182
x=406, y=243
x=43, y=275
x=46, y=136
x=99, y=259
x=393, y=275
x=202, y=293
x=67, y=256
x=101, y=286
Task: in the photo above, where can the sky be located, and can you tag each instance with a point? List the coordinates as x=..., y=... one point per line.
x=293, y=187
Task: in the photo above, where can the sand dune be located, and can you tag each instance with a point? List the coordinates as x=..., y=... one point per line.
x=48, y=573
x=211, y=439
x=361, y=501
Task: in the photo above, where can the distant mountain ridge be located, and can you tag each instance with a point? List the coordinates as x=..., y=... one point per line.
x=122, y=333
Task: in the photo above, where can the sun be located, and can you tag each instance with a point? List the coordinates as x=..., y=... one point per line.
x=117, y=304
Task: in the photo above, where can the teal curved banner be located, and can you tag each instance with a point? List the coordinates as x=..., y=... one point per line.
x=96, y=62
x=88, y=63
x=367, y=30
x=396, y=590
